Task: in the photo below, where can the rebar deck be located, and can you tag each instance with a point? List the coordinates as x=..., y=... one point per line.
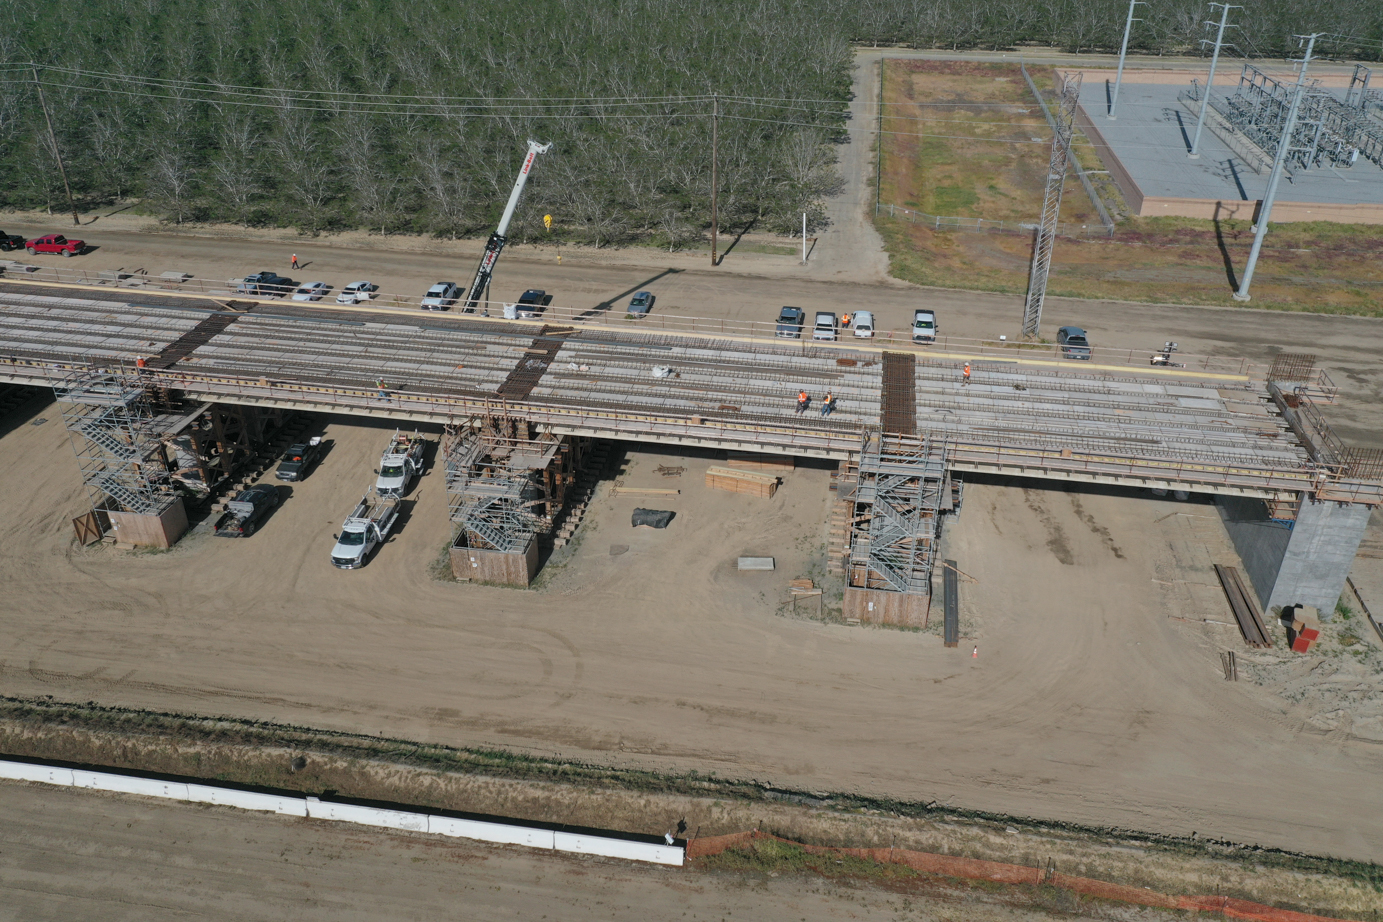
x=1071, y=421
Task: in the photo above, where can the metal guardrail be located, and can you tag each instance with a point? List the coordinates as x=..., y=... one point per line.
x=950, y=348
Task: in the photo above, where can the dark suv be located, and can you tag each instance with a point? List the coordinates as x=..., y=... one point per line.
x=267, y=285
x=1072, y=343
x=245, y=513
x=790, y=320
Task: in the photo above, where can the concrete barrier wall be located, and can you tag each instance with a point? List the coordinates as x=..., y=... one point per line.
x=312, y=807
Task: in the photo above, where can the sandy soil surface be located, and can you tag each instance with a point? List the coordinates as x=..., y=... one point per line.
x=1087, y=702
x=77, y=854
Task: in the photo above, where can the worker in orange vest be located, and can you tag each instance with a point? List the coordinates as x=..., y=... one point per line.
x=845, y=321
x=828, y=403
x=965, y=374
x=802, y=400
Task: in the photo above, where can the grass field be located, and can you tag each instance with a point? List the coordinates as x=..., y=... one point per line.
x=938, y=158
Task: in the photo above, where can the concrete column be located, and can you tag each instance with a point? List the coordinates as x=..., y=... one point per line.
x=1304, y=563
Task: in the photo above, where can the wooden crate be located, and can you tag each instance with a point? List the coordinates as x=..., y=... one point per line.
x=751, y=483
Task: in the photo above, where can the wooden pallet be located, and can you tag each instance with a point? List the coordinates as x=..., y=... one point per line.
x=750, y=483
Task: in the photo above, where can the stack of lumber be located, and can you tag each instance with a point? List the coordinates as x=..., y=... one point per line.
x=754, y=461
x=1303, y=627
x=752, y=483
x=1244, y=607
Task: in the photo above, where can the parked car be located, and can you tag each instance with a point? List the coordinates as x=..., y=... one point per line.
x=300, y=459
x=923, y=327
x=11, y=241
x=356, y=292
x=532, y=302
x=440, y=296
x=641, y=303
x=54, y=243
x=826, y=327
x=1073, y=343
x=246, y=512
x=267, y=285
x=310, y=291
x=790, y=320
x=862, y=322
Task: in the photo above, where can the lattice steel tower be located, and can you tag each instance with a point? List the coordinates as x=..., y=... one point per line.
x=1051, y=204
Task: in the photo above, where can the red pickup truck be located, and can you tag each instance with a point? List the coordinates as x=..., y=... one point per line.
x=54, y=243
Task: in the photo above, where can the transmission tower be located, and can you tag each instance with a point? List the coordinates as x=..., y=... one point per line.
x=1210, y=82
x=1051, y=204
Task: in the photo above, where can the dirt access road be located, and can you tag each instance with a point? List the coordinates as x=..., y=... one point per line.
x=1087, y=703
x=76, y=854
x=747, y=286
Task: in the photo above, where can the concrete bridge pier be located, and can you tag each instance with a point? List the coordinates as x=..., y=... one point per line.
x=1301, y=562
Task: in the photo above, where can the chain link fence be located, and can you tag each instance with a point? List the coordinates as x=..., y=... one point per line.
x=943, y=223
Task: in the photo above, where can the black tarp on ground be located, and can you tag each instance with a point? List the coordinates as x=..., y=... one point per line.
x=654, y=518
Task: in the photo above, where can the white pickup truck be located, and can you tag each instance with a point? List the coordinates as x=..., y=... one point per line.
x=401, y=463
x=364, y=530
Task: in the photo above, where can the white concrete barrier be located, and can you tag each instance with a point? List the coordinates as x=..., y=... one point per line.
x=501, y=833
x=366, y=816
x=246, y=800
x=289, y=805
x=45, y=774
x=127, y=784
x=618, y=848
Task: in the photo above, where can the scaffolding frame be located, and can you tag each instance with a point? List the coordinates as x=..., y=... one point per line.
x=110, y=421
x=505, y=483
x=896, y=514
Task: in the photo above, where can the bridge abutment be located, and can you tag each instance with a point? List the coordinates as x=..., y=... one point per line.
x=1301, y=562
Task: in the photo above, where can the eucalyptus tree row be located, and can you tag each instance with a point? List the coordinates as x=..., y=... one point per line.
x=412, y=117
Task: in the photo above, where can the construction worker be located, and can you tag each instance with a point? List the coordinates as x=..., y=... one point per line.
x=845, y=321
x=965, y=374
x=802, y=400
x=295, y=260
x=828, y=403
x=379, y=383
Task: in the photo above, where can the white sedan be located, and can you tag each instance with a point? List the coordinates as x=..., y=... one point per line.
x=356, y=292
x=310, y=291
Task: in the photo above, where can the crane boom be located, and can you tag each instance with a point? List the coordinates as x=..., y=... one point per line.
x=496, y=242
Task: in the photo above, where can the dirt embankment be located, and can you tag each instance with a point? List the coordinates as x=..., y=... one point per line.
x=574, y=793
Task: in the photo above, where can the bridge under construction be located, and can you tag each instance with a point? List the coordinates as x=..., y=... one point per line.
x=128, y=366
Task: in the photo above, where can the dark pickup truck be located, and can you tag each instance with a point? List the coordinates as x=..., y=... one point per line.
x=299, y=459
x=245, y=513
x=11, y=241
x=267, y=285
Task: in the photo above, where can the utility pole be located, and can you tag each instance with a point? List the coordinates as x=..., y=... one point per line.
x=1260, y=230
x=53, y=138
x=804, y=238
x=1123, y=50
x=1210, y=81
x=715, y=173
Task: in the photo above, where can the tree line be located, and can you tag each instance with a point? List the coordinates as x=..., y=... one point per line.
x=413, y=117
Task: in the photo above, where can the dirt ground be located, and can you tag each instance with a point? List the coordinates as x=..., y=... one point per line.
x=1087, y=702
x=71, y=854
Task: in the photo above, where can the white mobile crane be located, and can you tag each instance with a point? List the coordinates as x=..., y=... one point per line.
x=496, y=241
